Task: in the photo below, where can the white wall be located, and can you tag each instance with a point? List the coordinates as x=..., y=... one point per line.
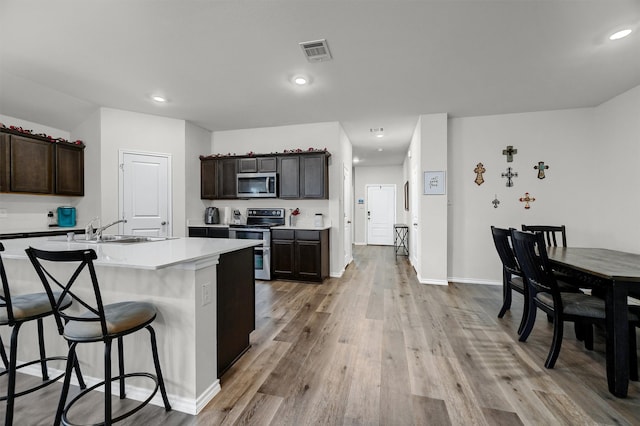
x=90, y=205
x=613, y=197
x=28, y=213
x=590, y=153
x=433, y=220
x=374, y=175
x=124, y=130
x=197, y=142
x=278, y=139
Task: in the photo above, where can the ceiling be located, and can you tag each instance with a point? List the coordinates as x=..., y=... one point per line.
x=228, y=64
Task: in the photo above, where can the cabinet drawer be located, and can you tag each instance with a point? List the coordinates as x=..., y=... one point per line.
x=282, y=234
x=308, y=235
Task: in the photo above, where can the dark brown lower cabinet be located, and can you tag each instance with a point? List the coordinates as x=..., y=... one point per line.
x=236, y=302
x=209, y=231
x=300, y=254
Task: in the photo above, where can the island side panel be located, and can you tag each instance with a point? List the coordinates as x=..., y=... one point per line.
x=236, y=306
x=171, y=290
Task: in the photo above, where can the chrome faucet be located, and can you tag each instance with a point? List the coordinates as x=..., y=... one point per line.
x=102, y=228
x=89, y=230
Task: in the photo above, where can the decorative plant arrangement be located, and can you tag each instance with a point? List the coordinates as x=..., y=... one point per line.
x=51, y=139
x=292, y=213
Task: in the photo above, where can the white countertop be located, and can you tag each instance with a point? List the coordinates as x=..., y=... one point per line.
x=146, y=255
x=303, y=228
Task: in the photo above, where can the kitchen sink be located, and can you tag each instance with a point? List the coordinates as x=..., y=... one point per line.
x=118, y=239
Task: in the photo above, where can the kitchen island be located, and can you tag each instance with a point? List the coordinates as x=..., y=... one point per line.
x=203, y=289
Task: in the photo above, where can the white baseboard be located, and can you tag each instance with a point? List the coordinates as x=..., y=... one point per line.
x=474, y=281
x=359, y=244
x=136, y=393
x=432, y=281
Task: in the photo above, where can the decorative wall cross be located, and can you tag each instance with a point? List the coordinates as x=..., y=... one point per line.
x=479, y=170
x=509, y=152
x=541, y=167
x=510, y=174
x=526, y=200
x=495, y=202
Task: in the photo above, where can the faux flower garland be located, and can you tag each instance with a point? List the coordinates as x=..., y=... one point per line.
x=252, y=154
x=51, y=139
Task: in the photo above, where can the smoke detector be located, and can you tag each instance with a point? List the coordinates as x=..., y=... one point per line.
x=316, y=51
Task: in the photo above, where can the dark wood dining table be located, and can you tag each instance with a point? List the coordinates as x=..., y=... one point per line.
x=617, y=275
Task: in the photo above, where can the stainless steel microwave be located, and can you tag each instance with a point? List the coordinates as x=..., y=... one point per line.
x=257, y=185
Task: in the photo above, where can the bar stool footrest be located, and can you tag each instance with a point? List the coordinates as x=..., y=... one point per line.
x=134, y=410
x=46, y=381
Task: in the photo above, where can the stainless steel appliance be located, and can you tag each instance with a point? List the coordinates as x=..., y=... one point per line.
x=211, y=215
x=259, y=222
x=257, y=185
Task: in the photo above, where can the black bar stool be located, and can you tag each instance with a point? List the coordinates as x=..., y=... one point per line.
x=99, y=323
x=15, y=310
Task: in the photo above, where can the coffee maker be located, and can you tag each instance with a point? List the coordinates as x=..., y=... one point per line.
x=211, y=215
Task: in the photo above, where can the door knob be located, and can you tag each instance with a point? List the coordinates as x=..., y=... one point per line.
x=164, y=222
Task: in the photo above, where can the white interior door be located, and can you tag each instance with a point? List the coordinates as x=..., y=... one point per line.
x=381, y=214
x=145, y=193
x=346, y=196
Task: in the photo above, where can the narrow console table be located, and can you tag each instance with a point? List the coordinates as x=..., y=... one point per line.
x=401, y=239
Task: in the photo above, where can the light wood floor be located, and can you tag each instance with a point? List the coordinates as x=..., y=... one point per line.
x=375, y=347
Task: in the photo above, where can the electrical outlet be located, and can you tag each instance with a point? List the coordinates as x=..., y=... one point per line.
x=206, y=294
x=3, y=213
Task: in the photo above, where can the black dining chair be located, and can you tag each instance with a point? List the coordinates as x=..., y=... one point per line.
x=580, y=308
x=551, y=233
x=15, y=311
x=512, y=279
x=98, y=323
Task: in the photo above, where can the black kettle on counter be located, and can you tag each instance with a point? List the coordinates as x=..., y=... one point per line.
x=211, y=215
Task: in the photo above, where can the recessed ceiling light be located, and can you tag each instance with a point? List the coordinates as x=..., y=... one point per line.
x=379, y=135
x=160, y=99
x=356, y=160
x=380, y=149
x=620, y=34
x=301, y=80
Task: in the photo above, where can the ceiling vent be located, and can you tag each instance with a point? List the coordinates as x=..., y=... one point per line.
x=316, y=51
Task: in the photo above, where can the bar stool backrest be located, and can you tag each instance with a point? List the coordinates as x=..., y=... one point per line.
x=5, y=296
x=84, y=259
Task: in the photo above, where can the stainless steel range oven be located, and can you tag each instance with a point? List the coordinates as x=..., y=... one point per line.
x=259, y=222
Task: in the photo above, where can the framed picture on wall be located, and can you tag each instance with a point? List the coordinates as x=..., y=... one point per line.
x=434, y=183
x=406, y=196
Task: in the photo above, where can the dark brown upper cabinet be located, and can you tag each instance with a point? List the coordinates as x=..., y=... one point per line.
x=303, y=175
x=257, y=165
x=289, y=176
x=314, y=176
x=227, y=178
x=33, y=164
x=5, y=169
x=69, y=170
x=208, y=178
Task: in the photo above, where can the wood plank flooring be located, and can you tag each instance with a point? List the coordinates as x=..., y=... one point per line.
x=375, y=347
